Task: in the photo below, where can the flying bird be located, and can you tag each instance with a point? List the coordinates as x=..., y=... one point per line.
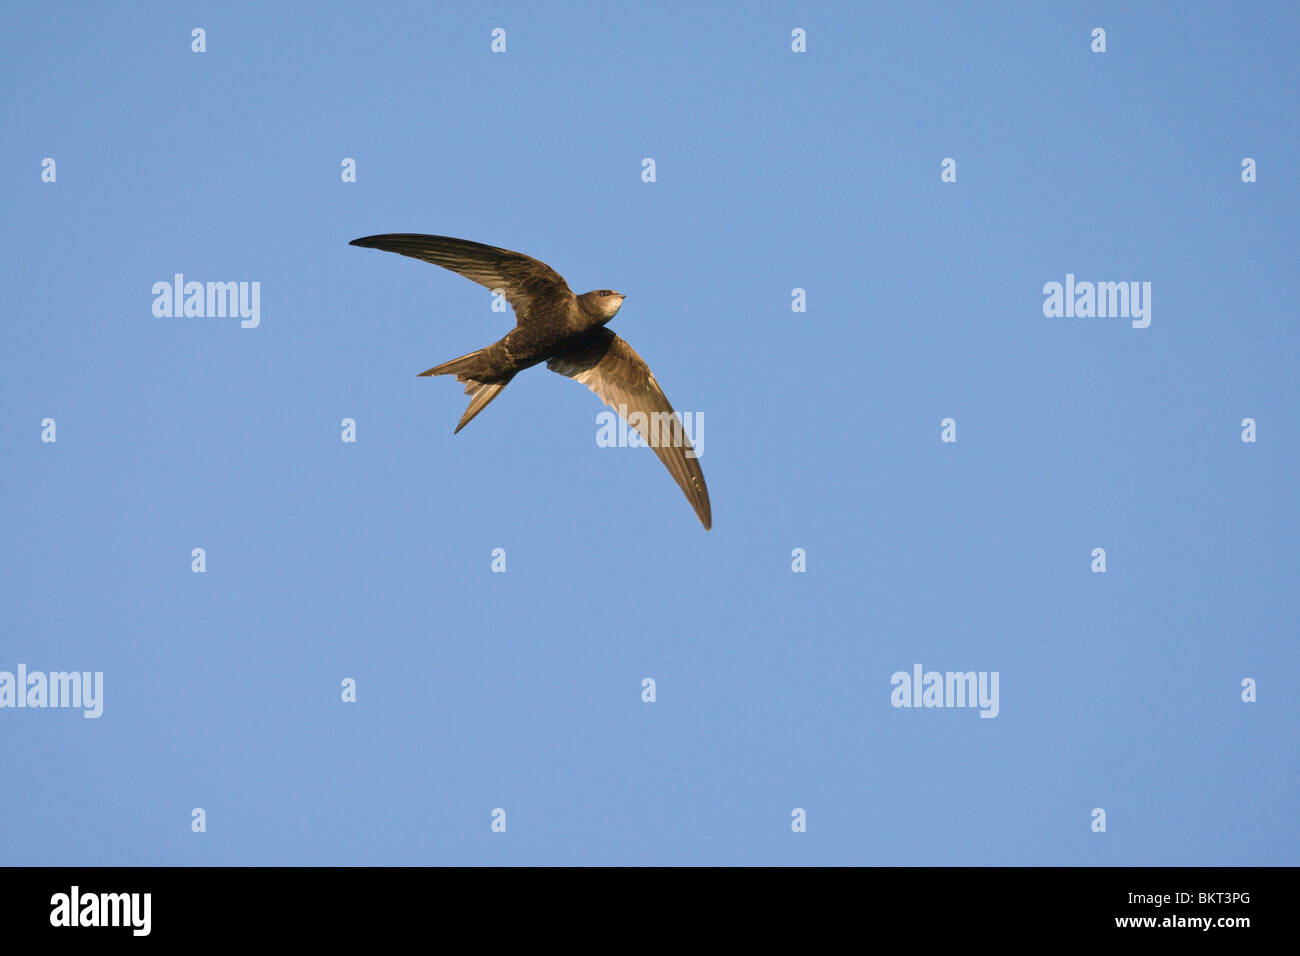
x=565, y=331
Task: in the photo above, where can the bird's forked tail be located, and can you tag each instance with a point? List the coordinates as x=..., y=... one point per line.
x=481, y=391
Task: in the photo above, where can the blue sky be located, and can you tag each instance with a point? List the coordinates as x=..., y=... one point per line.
x=521, y=690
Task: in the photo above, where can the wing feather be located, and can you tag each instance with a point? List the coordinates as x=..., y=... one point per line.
x=526, y=282
x=611, y=368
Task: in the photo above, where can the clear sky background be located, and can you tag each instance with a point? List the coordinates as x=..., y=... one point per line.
x=775, y=171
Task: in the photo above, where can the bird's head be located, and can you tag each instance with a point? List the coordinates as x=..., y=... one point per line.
x=603, y=302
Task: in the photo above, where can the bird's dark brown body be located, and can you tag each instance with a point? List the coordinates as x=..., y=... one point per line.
x=565, y=331
x=550, y=330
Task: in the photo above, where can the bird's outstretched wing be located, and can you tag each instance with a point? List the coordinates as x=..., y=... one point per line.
x=526, y=282
x=609, y=367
